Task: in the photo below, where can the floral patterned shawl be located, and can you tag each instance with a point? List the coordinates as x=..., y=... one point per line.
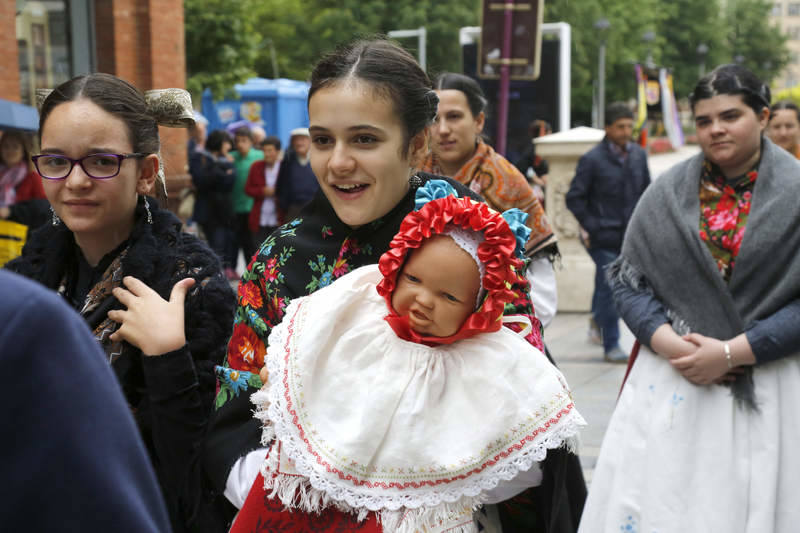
x=724, y=209
x=503, y=187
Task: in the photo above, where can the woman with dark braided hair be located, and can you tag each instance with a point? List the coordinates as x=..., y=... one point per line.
x=704, y=434
x=370, y=107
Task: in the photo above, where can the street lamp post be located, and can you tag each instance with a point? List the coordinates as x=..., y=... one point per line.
x=648, y=37
x=602, y=26
x=702, y=51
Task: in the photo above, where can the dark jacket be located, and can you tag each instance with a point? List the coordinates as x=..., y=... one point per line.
x=296, y=184
x=213, y=179
x=170, y=395
x=72, y=457
x=604, y=192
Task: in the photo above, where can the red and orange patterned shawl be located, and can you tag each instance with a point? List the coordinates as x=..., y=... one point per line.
x=502, y=186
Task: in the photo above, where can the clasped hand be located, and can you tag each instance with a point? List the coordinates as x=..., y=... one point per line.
x=706, y=364
x=699, y=359
x=149, y=322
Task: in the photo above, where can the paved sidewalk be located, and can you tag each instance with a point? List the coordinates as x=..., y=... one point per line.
x=594, y=383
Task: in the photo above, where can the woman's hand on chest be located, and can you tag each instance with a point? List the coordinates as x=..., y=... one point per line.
x=152, y=324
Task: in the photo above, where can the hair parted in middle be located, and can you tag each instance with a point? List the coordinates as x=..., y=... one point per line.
x=784, y=104
x=391, y=71
x=732, y=79
x=476, y=100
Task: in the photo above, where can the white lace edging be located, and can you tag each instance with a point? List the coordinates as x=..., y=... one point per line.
x=313, y=492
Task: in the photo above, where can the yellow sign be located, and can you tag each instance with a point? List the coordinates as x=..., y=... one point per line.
x=12, y=239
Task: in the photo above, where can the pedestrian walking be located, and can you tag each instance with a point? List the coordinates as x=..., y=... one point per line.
x=703, y=435
x=609, y=180
x=213, y=177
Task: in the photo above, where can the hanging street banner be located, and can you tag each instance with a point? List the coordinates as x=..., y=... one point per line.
x=526, y=39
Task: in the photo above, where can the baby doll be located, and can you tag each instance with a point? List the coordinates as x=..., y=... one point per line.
x=416, y=413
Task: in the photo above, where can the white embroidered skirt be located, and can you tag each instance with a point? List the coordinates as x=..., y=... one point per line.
x=678, y=457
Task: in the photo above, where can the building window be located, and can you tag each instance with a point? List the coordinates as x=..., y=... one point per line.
x=793, y=8
x=776, y=9
x=43, y=40
x=793, y=32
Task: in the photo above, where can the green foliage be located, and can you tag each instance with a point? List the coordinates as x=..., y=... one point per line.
x=680, y=26
x=792, y=94
x=227, y=42
x=760, y=46
x=221, y=44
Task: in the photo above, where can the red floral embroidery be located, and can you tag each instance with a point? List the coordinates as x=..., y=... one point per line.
x=724, y=209
x=249, y=294
x=275, y=308
x=245, y=350
x=271, y=270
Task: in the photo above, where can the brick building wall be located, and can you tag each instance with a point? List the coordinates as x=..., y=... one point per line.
x=142, y=41
x=9, y=65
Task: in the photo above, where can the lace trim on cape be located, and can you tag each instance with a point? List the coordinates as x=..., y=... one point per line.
x=403, y=511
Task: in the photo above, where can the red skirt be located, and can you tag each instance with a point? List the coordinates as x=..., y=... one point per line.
x=261, y=514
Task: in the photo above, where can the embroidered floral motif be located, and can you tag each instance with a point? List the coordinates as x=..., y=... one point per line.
x=232, y=382
x=629, y=525
x=724, y=209
x=245, y=349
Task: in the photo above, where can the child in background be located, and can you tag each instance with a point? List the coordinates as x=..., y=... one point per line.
x=412, y=419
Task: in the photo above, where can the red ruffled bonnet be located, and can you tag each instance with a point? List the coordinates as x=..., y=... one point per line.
x=496, y=252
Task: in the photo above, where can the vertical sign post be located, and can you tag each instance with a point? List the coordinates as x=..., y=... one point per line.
x=510, y=49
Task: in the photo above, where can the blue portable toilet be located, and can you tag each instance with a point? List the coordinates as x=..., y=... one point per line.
x=278, y=106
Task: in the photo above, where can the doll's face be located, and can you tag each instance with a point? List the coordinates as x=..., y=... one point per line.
x=437, y=288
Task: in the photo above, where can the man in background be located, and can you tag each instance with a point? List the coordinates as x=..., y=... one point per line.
x=296, y=181
x=609, y=180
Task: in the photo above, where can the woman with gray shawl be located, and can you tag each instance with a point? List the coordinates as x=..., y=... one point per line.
x=703, y=435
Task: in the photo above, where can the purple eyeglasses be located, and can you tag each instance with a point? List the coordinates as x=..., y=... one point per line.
x=96, y=166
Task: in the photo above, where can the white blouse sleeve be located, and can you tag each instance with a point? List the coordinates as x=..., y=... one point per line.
x=242, y=476
x=544, y=296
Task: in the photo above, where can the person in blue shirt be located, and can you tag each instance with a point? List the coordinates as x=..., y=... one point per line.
x=73, y=459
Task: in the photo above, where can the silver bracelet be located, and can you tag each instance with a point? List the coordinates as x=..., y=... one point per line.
x=727, y=349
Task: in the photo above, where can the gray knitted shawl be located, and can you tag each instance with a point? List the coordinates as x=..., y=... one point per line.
x=663, y=245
